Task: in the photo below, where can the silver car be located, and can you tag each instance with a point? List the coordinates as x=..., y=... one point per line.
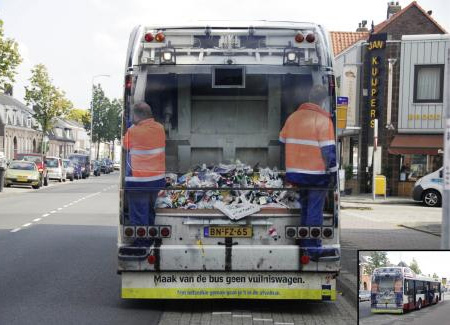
x=55, y=168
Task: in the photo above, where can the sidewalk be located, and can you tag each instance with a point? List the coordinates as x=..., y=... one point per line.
x=366, y=198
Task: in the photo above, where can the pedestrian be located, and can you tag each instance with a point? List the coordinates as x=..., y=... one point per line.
x=311, y=157
x=145, y=168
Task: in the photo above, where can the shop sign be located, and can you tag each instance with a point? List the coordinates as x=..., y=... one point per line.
x=376, y=63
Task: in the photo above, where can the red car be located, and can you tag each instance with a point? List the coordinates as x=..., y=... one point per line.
x=38, y=159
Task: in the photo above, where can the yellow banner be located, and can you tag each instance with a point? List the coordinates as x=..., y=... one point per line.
x=226, y=293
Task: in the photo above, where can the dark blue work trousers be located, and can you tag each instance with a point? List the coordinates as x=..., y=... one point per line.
x=312, y=202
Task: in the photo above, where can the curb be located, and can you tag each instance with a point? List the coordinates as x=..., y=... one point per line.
x=346, y=284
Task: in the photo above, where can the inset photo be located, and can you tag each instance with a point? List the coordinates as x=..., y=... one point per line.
x=403, y=286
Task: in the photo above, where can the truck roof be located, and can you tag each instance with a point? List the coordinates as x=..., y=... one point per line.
x=235, y=24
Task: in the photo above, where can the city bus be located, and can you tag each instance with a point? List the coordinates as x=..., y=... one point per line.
x=399, y=289
x=227, y=225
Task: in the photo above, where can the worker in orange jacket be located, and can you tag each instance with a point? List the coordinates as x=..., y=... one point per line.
x=311, y=156
x=145, y=142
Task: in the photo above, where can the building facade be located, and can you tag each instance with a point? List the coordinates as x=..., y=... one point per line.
x=19, y=131
x=61, y=139
x=395, y=76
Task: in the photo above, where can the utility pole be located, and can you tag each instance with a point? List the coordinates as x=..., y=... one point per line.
x=445, y=232
x=375, y=144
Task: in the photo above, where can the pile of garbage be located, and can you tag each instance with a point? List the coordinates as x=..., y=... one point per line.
x=230, y=184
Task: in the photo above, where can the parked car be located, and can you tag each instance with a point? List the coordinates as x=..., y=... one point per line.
x=364, y=295
x=116, y=165
x=55, y=168
x=68, y=166
x=105, y=166
x=429, y=188
x=96, y=167
x=84, y=162
x=110, y=165
x=20, y=172
x=38, y=159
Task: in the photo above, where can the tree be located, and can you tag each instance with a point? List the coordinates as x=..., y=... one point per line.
x=402, y=264
x=415, y=266
x=9, y=60
x=377, y=259
x=81, y=116
x=100, y=106
x=48, y=102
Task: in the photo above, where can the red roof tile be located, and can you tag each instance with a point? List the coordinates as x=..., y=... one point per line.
x=343, y=40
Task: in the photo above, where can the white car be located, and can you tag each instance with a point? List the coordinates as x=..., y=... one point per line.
x=55, y=168
x=428, y=189
x=116, y=165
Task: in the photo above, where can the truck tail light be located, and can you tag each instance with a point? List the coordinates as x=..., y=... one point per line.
x=153, y=231
x=165, y=231
x=310, y=38
x=327, y=232
x=290, y=232
x=303, y=232
x=160, y=37
x=128, y=232
x=148, y=37
x=299, y=38
x=151, y=259
x=128, y=81
x=141, y=232
x=304, y=259
x=315, y=232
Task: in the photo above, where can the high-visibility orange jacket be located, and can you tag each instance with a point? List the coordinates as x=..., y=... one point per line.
x=146, y=143
x=310, y=143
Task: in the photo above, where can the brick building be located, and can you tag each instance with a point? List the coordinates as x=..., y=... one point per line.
x=410, y=127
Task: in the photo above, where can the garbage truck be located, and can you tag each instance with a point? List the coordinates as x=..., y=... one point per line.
x=226, y=223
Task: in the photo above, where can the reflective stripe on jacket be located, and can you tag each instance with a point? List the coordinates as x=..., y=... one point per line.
x=310, y=143
x=146, y=144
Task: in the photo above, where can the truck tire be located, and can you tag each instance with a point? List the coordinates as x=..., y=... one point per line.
x=432, y=198
x=36, y=187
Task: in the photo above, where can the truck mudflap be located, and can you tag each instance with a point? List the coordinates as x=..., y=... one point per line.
x=229, y=285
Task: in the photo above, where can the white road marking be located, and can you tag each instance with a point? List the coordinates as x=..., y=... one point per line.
x=66, y=205
x=277, y=323
x=221, y=312
x=242, y=316
x=262, y=319
x=59, y=209
x=46, y=215
x=37, y=219
x=16, y=230
x=27, y=224
x=54, y=211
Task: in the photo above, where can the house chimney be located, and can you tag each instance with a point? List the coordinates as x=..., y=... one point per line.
x=393, y=8
x=362, y=26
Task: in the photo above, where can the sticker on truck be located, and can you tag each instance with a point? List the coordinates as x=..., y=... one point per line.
x=234, y=285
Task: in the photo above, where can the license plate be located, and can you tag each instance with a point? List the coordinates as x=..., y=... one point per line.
x=22, y=178
x=227, y=231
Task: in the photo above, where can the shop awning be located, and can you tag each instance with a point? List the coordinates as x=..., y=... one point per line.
x=422, y=144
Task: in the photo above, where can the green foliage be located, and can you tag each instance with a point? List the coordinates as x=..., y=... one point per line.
x=48, y=102
x=9, y=60
x=348, y=172
x=80, y=115
x=377, y=259
x=415, y=266
x=106, y=116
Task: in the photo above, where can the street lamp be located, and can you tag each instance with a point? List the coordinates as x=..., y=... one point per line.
x=92, y=109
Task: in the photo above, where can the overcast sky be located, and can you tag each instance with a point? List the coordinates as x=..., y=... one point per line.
x=429, y=261
x=77, y=39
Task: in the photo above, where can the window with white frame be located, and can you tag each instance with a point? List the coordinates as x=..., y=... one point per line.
x=428, y=83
